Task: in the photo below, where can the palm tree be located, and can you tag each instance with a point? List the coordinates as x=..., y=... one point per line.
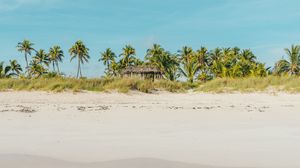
x=27, y=47
x=155, y=51
x=291, y=66
x=128, y=56
x=216, y=54
x=115, y=68
x=190, y=63
x=108, y=56
x=80, y=51
x=42, y=58
x=36, y=69
x=248, y=55
x=186, y=53
x=56, y=55
x=5, y=71
x=168, y=64
x=15, y=67
x=137, y=62
x=202, y=57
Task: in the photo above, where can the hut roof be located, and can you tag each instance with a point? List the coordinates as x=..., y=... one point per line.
x=140, y=69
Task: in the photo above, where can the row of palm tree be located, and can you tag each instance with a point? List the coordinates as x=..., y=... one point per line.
x=201, y=64
x=41, y=61
x=193, y=65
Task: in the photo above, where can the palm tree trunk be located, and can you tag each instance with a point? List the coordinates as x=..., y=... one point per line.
x=108, y=69
x=26, y=60
x=80, y=72
x=53, y=66
x=78, y=69
x=58, y=71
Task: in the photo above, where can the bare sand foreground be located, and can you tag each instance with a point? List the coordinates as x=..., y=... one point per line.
x=89, y=130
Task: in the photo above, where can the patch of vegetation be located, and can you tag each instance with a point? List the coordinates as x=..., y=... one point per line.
x=252, y=84
x=124, y=85
x=60, y=84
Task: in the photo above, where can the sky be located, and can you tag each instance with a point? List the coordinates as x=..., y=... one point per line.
x=265, y=26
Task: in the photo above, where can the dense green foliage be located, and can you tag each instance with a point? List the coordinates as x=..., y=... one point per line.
x=193, y=66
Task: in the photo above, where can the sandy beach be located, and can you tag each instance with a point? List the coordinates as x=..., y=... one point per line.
x=191, y=130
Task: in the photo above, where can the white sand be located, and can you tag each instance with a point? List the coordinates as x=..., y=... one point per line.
x=225, y=130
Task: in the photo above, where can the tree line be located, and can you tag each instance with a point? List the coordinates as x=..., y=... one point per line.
x=194, y=65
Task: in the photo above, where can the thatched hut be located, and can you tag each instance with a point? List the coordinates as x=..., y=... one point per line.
x=142, y=72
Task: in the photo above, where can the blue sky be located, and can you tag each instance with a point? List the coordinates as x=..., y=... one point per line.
x=265, y=26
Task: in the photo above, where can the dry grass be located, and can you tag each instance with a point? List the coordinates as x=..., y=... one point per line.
x=124, y=85
x=287, y=84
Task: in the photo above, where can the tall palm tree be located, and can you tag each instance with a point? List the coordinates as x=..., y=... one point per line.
x=108, y=56
x=42, y=58
x=202, y=56
x=81, y=52
x=56, y=55
x=15, y=67
x=190, y=63
x=291, y=66
x=128, y=56
x=27, y=47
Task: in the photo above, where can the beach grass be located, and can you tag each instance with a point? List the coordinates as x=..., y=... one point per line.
x=124, y=85
x=252, y=84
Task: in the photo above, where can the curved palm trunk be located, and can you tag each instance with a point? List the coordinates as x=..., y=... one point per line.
x=58, y=71
x=53, y=66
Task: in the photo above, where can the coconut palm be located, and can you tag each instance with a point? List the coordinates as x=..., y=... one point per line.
x=155, y=51
x=202, y=56
x=186, y=53
x=127, y=56
x=108, y=56
x=172, y=70
x=5, y=71
x=168, y=64
x=190, y=63
x=291, y=66
x=56, y=55
x=15, y=67
x=36, y=69
x=81, y=52
x=190, y=69
x=42, y=58
x=137, y=62
x=115, y=68
x=216, y=54
x=25, y=47
x=248, y=55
